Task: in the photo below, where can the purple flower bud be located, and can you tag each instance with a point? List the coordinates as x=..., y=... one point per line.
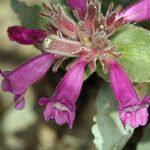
x=139, y=11
x=26, y=36
x=18, y=80
x=61, y=106
x=132, y=110
x=79, y=6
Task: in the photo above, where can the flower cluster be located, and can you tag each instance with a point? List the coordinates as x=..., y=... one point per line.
x=86, y=41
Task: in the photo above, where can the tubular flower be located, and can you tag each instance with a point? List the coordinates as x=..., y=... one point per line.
x=18, y=80
x=139, y=11
x=86, y=40
x=26, y=36
x=61, y=106
x=132, y=110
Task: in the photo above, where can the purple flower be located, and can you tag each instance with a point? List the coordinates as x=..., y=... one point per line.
x=139, y=11
x=132, y=110
x=26, y=36
x=87, y=41
x=78, y=6
x=61, y=106
x=18, y=80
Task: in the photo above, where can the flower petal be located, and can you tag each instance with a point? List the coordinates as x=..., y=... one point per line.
x=122, y=86
x=60, y=116
x=132, y=110
x=61, y=106
x=134, y=118
x=25, y=75
x=24, y=35
x=49, y=111
x=146, y=100
x=139, y=11
x=43, y=101
x=6, y=85
x=69, y=88
x=79, y=6
x=19, y=101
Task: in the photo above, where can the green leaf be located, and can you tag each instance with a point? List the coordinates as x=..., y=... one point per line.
x=28, y=15
x=134, y=43
x=61, y=2
x=108, y=129
x=144, y=144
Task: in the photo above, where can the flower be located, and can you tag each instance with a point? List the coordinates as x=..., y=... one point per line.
x=24, y=35
x=139, y=11
x=86, y=40
x=79, y=6
x=132, y=110
x=61, y=106
x=18, y=80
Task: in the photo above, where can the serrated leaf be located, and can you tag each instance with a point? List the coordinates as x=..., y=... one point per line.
x=108, y=130
x=28, y=15
x=134, y=43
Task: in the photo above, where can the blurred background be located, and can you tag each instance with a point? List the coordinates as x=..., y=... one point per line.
x=26, y=129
